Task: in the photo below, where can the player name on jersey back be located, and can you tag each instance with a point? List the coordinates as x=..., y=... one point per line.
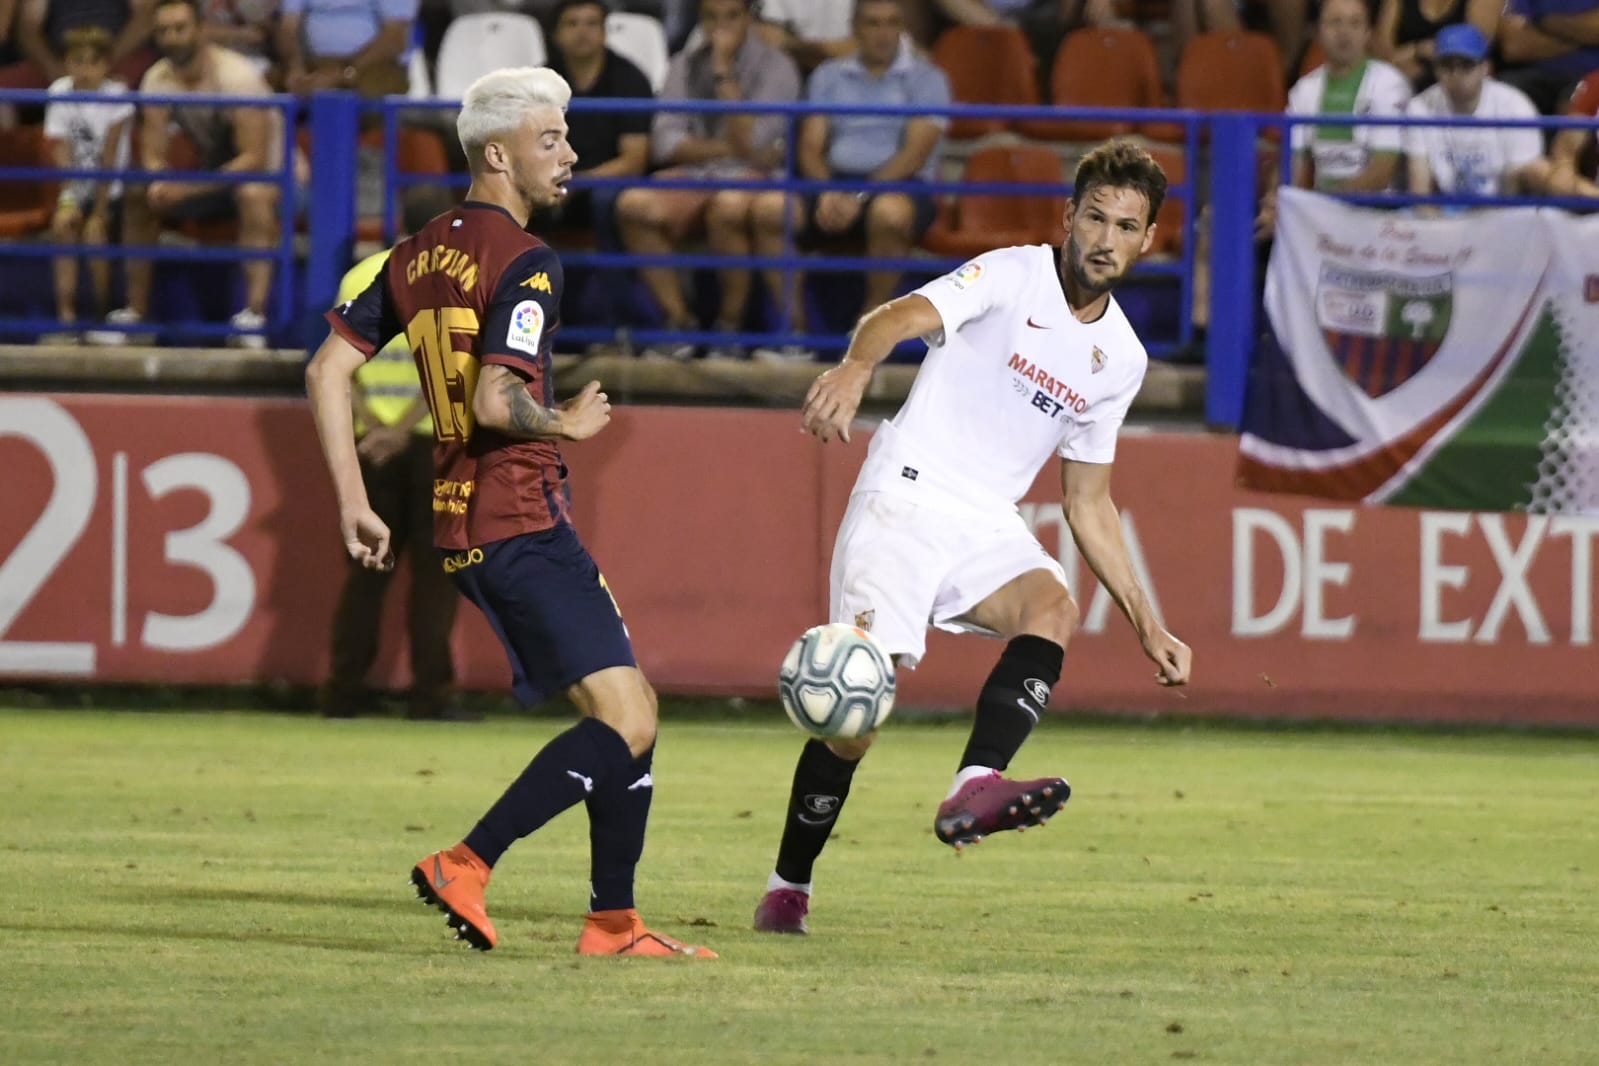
x=472, y=288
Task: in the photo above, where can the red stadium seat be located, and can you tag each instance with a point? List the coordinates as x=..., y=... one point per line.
x=26, y=206
x=1109, y=67
x=986, y=65
x=1231, y=71
x=974, y=224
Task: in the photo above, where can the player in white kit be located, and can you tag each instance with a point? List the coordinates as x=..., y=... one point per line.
x=1028, y=356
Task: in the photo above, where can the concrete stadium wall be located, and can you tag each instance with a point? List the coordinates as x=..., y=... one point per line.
x=193, y=540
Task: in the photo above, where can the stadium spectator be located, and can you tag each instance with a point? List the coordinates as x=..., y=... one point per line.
x=733, y=64
x=8, y=35
x=394, y=440
x=1354, y=158
x=1406, y=28
x=609, y=144
x=225, y=139
x=248, y=27
x=1547, y=46
x=885, y=70
x=333, y=44
x=85, y=135
x=1481, y=161
x=810, y=31
x=1572, y=157
x=42, y=26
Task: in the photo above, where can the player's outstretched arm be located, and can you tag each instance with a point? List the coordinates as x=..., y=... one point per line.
x=327, y=382
x=502, y=403
x=1097, y=529
x=835, y=396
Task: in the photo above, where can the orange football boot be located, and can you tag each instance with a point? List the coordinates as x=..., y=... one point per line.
x=623, y=933
x=453, y=881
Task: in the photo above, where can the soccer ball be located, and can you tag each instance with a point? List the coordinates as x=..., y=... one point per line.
x=836, y=681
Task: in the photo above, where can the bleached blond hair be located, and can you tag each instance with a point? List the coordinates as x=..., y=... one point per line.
x=498, y=102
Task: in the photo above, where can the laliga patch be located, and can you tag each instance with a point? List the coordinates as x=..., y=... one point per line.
x=966, y=275
x=527, y=327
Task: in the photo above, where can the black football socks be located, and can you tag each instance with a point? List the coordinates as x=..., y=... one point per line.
x=1012, y=700
x=581, y=761
x=821, y=785
x=618, y=814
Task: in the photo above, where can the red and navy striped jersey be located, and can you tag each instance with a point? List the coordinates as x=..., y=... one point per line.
x=472, y=288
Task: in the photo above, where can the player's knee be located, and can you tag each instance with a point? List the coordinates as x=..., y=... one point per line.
x=1055, y=618
x=850, y=749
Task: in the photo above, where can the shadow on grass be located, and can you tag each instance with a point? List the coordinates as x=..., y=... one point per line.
x=222, y=936
x=403, y=900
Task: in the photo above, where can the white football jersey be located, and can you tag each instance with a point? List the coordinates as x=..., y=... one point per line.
x=1011, y=379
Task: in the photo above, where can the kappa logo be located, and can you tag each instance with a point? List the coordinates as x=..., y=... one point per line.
x=588, y=782
x=1038, y=690
x=644, y=782
x=539, y=282
x=1096, y=361
x=864, y=619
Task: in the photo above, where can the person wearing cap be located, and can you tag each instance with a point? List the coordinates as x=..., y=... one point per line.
x=1477, y=160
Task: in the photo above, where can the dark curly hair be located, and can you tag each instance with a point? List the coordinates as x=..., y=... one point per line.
x=1121, y=164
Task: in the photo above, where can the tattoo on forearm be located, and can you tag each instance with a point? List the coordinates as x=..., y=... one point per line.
x=527, y=415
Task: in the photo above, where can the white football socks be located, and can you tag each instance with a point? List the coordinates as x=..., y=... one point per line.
x=966, y=774
x=774, y=883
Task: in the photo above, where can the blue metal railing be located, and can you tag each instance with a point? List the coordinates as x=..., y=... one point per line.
x=281, y=311
x=1233, y=143
x=334, y=122
x=791, y=259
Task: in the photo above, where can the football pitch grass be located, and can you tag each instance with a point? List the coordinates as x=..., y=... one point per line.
x=208, y=888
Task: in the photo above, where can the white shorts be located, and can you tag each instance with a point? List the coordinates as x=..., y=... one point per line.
x=899, y=567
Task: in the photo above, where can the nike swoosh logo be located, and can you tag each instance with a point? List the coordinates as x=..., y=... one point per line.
x=439, y=880
x=1028, y=707
x=1035, y=325
x=588, y=782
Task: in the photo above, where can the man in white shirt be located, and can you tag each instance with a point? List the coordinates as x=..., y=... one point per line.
x=1352, y=158
x=810, y=31
x=1481, y=161
x=1028, y=356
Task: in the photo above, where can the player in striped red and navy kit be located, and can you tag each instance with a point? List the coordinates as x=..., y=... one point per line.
x=478, y=299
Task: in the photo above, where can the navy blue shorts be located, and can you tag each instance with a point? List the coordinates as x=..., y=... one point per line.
x=550, y=607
